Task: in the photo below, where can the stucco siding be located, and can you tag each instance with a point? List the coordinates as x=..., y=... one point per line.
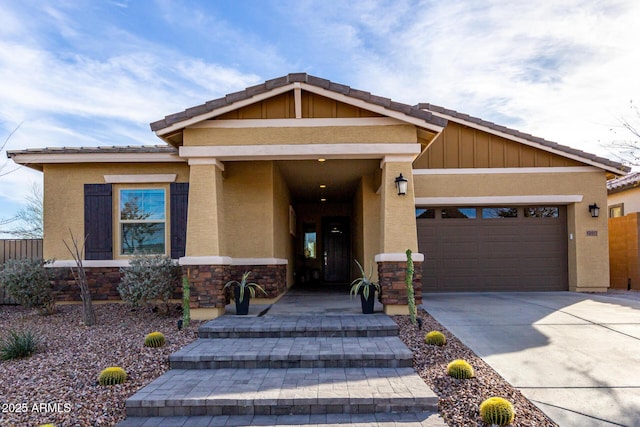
x=64, y=197
x=282, y=238
x=248, y=191
x=300, y=135
x=588, y=237
x=630, y=198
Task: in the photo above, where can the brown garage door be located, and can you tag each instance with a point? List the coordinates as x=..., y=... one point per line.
x=493, y=248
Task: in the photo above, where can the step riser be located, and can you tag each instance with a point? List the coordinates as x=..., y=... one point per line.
x=286, y=364
x=285, y=407
x=204, y=333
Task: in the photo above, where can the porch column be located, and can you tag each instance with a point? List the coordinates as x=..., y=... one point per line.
x=205, y=263
x=398, y=233
x=205, y=216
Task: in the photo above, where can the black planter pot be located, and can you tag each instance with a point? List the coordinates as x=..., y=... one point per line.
x=242, y=307
x=367, y=303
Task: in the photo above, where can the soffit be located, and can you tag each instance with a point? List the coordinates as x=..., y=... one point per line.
x=341, y=177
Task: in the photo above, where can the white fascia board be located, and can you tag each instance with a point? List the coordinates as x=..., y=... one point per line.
x=494, y=171
x=297, y=123
x=222, y=110
x=300, y=151
x=558, y=199
x=398, y=257
x=55, y=158
x=530, y=143
x=140, y=179
x=89, y=263
x=259, y=261
x=205, y=260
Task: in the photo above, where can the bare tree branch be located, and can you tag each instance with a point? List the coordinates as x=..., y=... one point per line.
x=627, y=150
x=80, y=277
x=3, y=168
x=30, y=219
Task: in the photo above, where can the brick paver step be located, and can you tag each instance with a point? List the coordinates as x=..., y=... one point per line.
x=374, y=325
x=299, y=352
x=299, y=391
x=420, y=419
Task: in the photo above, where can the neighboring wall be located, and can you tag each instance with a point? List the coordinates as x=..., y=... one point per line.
x=624, y=251
x=64, y=196
x=588, y=254
x=630, y=198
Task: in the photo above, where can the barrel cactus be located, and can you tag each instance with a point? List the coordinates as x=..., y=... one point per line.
x=112, y=375
x=47, y=425
x=154, y=339
x=497, y=411
x=435, y=338
x=460, y=369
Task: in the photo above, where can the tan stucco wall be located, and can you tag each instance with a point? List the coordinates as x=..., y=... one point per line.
x=397, y=213
x=302, y=135
x=205, y=217
x=248, y=192
x=64, y=196
x=366, y=224
x=282, y=238
x=588, y=264
x=630, y=198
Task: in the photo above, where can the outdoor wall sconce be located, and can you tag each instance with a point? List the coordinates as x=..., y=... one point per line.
x=401, y=185
x=594, y=210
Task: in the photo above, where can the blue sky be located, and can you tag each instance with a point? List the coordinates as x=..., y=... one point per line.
x=86, y=73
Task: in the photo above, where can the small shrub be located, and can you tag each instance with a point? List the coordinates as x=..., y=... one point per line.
x=154, y=339
x=497, y=411
x=460, y=369
x=17, y=345
x=435, y=338
x=29, y=283
x=47, y=425
x=148, y=277
x=111, y=376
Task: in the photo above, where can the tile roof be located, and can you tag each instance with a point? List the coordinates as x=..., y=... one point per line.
x=91, y=150
x=515, y=133
x=296, y=78
x=623, y=183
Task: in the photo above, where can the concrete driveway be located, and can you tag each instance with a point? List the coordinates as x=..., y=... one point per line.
x=576, y=356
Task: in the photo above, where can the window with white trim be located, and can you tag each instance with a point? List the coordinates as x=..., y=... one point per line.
x=142, y=221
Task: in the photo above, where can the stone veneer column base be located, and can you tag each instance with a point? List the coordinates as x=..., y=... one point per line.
x=393, y=289
x=206, y=286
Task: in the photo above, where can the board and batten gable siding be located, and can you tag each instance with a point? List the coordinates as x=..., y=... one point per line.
x=179, y=203
x=460, y=146
x=98, y=221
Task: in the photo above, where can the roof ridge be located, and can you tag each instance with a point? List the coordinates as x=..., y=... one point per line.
x=277, y=82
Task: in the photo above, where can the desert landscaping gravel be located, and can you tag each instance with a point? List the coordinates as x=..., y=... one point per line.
x=58, y=384
x=460, y=399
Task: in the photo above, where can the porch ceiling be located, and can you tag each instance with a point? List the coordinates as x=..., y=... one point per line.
x=341, y=178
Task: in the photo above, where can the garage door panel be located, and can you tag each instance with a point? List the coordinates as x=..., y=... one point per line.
x=500, y=254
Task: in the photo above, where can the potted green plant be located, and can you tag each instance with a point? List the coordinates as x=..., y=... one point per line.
x=242, y=292
x=365, y=288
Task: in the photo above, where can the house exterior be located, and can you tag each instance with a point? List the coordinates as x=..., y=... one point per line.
x=623, y=208
x=296, y=177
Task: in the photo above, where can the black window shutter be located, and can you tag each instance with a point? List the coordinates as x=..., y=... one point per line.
x=179, y=203
x=98, y=221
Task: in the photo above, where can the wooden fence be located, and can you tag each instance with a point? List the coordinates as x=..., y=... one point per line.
x=17, y=249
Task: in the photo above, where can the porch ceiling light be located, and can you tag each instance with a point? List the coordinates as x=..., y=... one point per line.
x=594, y=210
x=323, y=200
x=321, y=160
x=323, y=186
x=401, y=185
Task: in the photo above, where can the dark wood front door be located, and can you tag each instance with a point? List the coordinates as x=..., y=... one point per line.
x=336, y=248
